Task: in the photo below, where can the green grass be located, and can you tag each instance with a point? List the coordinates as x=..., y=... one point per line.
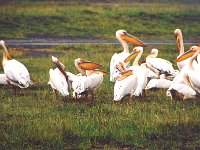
x=33, y=120
x=151, y=21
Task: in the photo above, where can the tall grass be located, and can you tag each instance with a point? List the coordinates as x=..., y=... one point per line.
x=94, y=20
x=33, y=120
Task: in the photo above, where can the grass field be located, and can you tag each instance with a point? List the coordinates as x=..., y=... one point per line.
x=33, y=120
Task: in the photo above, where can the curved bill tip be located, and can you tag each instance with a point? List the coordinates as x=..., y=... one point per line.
x=87, y=65
x=131, y=56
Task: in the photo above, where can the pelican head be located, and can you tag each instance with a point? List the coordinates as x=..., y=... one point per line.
x=2, y=42
x=54, y=59
x=179, y=40
x=154, y=52
x=177, y=32
x=134, y=53
x=58, y=64
x=86, y=65
x=189, y=53
x=122, y=35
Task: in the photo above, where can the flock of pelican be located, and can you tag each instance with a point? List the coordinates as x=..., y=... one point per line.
x=129, y=79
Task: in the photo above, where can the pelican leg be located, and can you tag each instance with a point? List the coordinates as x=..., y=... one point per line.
x=143, y=94
x=86, y=97
x=75, y=96
x=92, y=99
x=65, y=98
x=54, y=94
x=14, y=89
x=129, y=101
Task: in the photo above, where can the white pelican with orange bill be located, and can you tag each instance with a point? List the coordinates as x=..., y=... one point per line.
x=123, y=37
x=180, y=88
x=89, y=79
x=192, y=72
x=85, y=67
x=180, y=46
x=138, y=51
x=130, y=82
x=16, y=72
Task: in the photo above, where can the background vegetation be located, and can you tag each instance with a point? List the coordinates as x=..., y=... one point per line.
x=33, y=120
x=148, y=21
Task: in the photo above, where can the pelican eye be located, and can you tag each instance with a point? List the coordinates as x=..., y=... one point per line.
x=124, y=32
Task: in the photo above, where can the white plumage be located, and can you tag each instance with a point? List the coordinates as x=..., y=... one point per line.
x=83, y=84
x=122, y=36
x=181, y=91
x=180, y=46
x=58, y=78
x=125, y=87
x=87, y=81
x=133, y=84
x=150, y=73
x=191, y=71
x=158, y=65
x=141, y=74
x=15, y=71
x=3, y=79
x=58, y=81
x=116, y=58
x=158, y=83
x=187, y=82
x=180, y=88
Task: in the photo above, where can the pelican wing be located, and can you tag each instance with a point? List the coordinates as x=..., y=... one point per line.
x=194, y=79
x=141, y=74
x=124, y=87
x=82, y=84
x=93, y=81
x=160, y=64
x=158, y=83
x=17, y=72
x=58, y=81
x=181, y=91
